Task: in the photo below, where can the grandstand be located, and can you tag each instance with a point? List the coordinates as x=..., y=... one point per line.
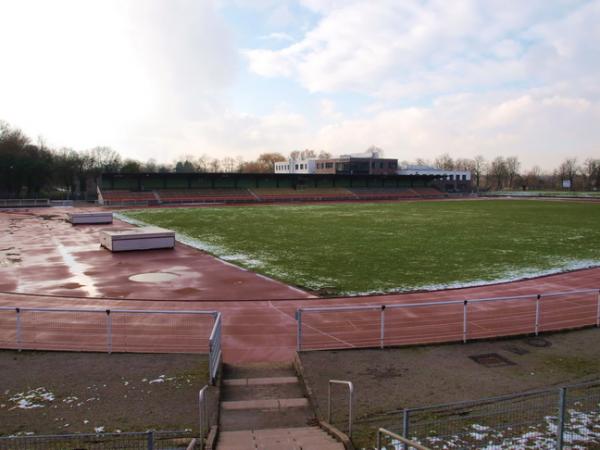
x=188, y=188
x=205, y=195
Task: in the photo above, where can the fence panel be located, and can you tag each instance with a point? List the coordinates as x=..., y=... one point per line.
x=161, y=332
x=428, y=323
x=527, y=420
x=54, y=330
x=509, y=422
x=570, y=310
x=340, y=329
x=582, y=417
x=131, y=441
x=501, y=318
x=8, y=326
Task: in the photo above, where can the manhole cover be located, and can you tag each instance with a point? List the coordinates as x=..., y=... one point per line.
x=491, y=360
x=538, y=342
x=516, y=349
x=153, y=277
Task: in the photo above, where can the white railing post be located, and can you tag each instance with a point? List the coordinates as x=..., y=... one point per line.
x=465, y=303
x=108, y=331
x=18, y=330
x=537, y=314
x=382, y=327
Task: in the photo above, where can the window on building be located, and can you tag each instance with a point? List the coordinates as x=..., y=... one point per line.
x=381, y=165
x=464, y=177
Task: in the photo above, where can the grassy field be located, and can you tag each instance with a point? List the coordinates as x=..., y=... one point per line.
x=353, y=248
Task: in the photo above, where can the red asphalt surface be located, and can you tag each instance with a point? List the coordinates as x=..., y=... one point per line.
x=41, y=253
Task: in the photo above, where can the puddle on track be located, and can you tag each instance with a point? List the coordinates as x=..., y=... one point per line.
x=153, y=277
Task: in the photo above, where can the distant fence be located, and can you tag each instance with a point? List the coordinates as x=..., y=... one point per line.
x=150, y=440
x=23, y=202
x=338, y=327
x=113, y=330
x=556, y=418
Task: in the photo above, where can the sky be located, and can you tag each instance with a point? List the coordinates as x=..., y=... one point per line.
x=165, y=78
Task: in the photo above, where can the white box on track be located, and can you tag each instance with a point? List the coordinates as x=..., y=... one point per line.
x=143, y=238
x=90, y=217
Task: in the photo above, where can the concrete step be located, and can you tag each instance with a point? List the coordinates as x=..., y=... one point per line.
x=263, y=419
x=264, y=404
x=261, y=392
x=260, y=381
x=258, y=371
x=291, y=438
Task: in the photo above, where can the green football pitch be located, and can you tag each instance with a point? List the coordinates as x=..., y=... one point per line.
x=353, y=248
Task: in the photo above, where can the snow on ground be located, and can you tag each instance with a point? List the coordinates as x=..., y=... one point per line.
x=582, y=428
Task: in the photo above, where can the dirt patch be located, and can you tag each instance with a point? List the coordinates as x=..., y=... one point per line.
x=393, y=379
x=59, y=392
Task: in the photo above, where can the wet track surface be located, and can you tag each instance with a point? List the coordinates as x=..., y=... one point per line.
x=41, y=253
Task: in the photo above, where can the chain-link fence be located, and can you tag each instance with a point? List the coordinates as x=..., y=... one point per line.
x=151, y=440
x=557, y=418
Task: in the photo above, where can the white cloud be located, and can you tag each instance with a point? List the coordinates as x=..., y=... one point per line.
x=90, y=73
x=411, y=49
x=542, y=129
x=278, y=36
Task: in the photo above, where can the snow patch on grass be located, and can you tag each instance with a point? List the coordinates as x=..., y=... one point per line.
x=32, y=399
x=508, y=277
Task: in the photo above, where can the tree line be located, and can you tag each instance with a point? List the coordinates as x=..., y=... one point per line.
x=30, y=168
x=504, y=173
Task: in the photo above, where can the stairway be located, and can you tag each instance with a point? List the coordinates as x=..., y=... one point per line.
x=264, y=408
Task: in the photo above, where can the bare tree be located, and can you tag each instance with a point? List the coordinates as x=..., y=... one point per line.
x=591, y=173
x=512, y=169
x=568, y=170
x=444, y=161
x=479, y=168
x=498, y=172
x=228, y=164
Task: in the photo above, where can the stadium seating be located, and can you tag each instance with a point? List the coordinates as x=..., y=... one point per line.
x=224, y=195
x=205, y=195
x=288, y=194
x=128, y=197
x=384, y=193
x=429, y=192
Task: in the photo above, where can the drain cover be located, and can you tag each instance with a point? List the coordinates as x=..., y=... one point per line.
x=153, y=277
x=538, y=342
x=491, y=360
x=516, y=349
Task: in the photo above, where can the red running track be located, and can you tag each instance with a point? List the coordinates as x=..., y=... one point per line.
x=39, y=252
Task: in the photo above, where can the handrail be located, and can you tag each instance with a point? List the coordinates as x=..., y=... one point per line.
x=407, y=442
x=214, y=348
x=202, y=415
x=350, y=392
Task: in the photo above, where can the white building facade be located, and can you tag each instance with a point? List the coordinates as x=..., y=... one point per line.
x=296, y=166
x=448, y=175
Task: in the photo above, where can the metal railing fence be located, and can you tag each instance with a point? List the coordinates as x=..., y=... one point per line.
x=23, y=202
x=555, y=418
x=338, y=327
x=149, y=440
x=113, y=330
